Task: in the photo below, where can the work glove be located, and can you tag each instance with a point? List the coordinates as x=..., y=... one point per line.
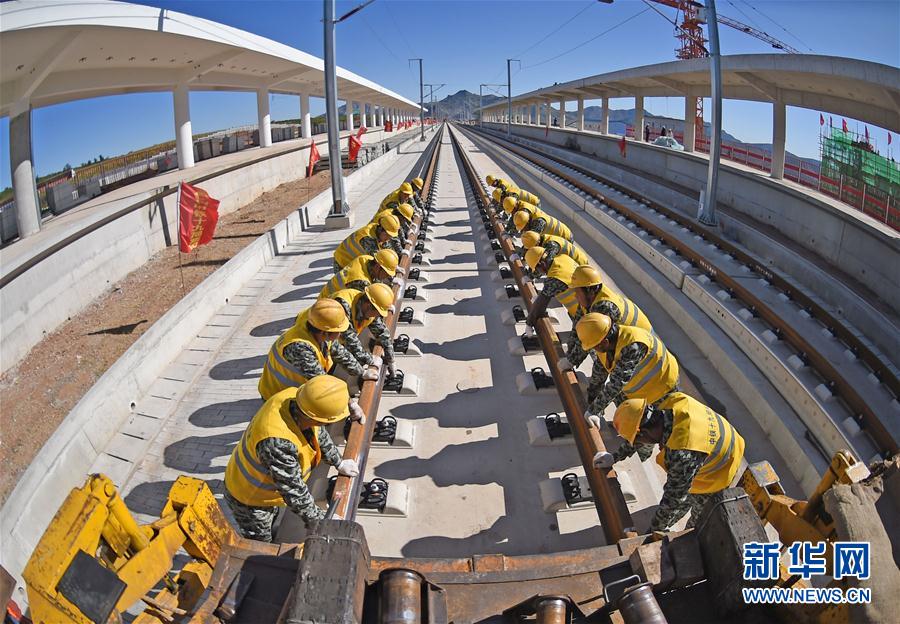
x=392, y=368
x=348, y=468
x=398, y=281
x=564, y=364
x=391, y=309
x=370, y=374
x=405, y=252
x=592, y=420
x=604, y=460
x=529, y=331
x=356, y=412
x=514, y=258
x=401, y=270
x=377, y=361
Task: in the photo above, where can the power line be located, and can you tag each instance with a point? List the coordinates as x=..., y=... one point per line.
x=744, y=13
x=803, y=43
x=558, y=28
x=584, y=43
x=377, y=37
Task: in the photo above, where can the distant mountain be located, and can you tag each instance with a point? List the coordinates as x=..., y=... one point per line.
x=462, y=105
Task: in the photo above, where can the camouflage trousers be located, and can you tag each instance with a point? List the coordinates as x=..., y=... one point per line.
x=253, y=522
x=693, y=503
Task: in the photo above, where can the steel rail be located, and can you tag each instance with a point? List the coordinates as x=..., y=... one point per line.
x=606, y=491
x=347, y=490
x=862, y=413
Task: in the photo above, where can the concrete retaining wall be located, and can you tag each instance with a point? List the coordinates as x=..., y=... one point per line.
x=68, y=455
x=865, y=250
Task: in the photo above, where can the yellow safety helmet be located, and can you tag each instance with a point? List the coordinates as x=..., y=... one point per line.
x=530, y=239
x=406, y=210
x=328, y=315
x=592, y=329
x=586, y=275
x=509, y=204
x=324, y=398
x=419, y=183
x=521, y=219
x=490, y=179
x=387, y=259
x=406, y=188
x=627, y=419
x=533, y=256
x=497, y=195
x=390, y=224
x=380, y=296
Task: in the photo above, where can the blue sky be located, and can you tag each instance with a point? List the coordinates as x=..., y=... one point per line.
x=465, y=43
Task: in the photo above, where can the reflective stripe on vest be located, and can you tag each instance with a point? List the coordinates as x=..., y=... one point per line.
x=278, y=373
x=655, y=375
x=562, y=268
x=352, y=247
x=629, y=313
x=351, y=298
x=357, y=270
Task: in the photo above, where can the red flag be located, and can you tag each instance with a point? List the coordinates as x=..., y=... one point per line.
x=353, y=149
x=844, y=125
x=198, y=215
x=388, y=126
x=821, y=119
x=622, y=147
x=867, y=133
x=362, y=130
x=889, y=138
x=313, y=158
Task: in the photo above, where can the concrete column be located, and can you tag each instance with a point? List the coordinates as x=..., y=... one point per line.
x=28, y=213
x=305, y=118
x=604, y=116
x=639, y=118
x=548, y=108
x=581, y=114
x=528, y=113
x=690, y=126
x=381, y=116
x=562, y=113
x=265, y=118
x=184, y=142
x=372, y=120
x=348, y=113
x=778, y=134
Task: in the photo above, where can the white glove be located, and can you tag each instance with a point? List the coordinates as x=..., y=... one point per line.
x=392, y=368
x=401, y=270
x=514, y=257
x=348, y=468
x=377, y=360
x=603, y=460
x=391, y=309
x=592, y=420
x=398, y=281
x=564, y=364
x=529, y=331
x=370, y=374
x=356, y=412
x=414, y=228
x=405, y=252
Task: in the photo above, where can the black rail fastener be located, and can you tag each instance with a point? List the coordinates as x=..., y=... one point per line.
x=394, y=383
x=571, y=486
x=556, y=428
x=417, y=258
x=499, y=257
x=541, y=379
x=420, y=246
x=531, y=343
x=495, y=245
x=505, y=273
x=406, y=315
x=492, y=235
x=519, y=314
x=411, y=292
x=385, y=430
x=512, y=291
x=414, y=273
x=401, y=343
x=374, y=494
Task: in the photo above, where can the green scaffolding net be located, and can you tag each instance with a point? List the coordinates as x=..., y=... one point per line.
x=853, y=157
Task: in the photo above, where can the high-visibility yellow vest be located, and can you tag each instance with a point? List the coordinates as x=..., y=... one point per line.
x=278, y=373
x=246, y=478
x=352, y=247
x=357, y=270
x=630, y=313
x=554, y=226
x=562, y=269
x=697, y=428
x=351, y=297
x=531, y=198
x=566, y=247
x=655, y=375
x=391, y=201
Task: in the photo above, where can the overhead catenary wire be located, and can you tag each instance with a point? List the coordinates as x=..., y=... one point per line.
x=556, y=30
x=803, y=43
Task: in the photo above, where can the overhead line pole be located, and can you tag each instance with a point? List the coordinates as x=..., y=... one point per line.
x=509, y=96
x=421, y=100
x=481, y=98
x=339, y=209
x=708, y=210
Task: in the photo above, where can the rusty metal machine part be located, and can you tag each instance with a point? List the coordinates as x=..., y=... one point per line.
x=638, y=606
x=400, y=597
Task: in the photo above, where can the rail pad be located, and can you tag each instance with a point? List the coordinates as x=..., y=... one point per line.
x=538, y=436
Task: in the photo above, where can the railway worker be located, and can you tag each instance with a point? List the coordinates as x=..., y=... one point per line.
x=418, y=185
x=384, y=234
x=284, y=441
x=528, y=217
x=595, y=296
x=310, y=348
x=367, y=308
x=700, y=451
x=559, y=269
x=402, y=195
x=404, y=214
x=379, y=268
x=509, y=188
x=557, y=244
x=635, y=364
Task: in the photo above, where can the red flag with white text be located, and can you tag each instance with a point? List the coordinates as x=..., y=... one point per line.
x=622, y=147
x=198, y=214
x=388, y=126
x=313, y=158
x=353, y=149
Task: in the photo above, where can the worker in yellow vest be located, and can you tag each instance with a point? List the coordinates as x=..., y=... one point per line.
x=635, y=364
x=367, y=309
x=418, y=185
x=557, y=244
x=369, y=239
x=310, y=348
x=558, y=269
x=527, y=217
x=509, y=189
x=284, y=441
x=380, y=268
x=700, y=451
x=404, y=213
x=595, y=296
x=402, y=195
